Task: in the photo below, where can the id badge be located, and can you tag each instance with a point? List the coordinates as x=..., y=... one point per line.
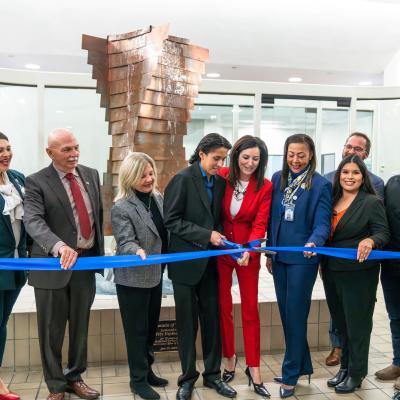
x=289, y=213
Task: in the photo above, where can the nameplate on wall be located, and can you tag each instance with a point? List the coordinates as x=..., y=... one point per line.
x=166, y=336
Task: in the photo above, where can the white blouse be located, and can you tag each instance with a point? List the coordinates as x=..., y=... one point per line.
x=237, y=198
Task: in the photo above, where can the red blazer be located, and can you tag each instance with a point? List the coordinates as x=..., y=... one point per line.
x=252, y=219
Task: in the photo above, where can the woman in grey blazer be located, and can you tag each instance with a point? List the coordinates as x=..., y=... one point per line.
x=138, y=228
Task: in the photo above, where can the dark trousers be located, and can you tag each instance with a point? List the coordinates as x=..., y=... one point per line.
x=54, y=308
x=140, y=312
x=194, y=303
x=293, y=285
x=7, y=301
x=390, y=278
x=351, y=297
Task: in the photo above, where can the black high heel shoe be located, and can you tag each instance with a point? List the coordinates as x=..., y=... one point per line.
x=228, y=376
x=259, y=388
x=284, y=393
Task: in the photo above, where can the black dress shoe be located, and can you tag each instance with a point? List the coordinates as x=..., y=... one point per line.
x=284, y=393
x=155, y=380
x=220, y=387
x=185, y=391
x=349, y=385
x=145, y=391
x=338, y=378
x=227, y=375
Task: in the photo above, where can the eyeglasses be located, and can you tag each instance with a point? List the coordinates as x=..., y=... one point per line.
x=356, y=149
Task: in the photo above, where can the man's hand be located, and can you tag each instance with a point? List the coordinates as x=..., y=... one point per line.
x=216, y=238
x=68, y=257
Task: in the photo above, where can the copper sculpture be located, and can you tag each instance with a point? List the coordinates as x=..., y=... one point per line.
x=148, y=80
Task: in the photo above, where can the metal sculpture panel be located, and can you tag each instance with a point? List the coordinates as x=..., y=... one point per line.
x=148, y=80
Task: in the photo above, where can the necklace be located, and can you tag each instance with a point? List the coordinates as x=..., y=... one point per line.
x=148, y=205
x=239, y=191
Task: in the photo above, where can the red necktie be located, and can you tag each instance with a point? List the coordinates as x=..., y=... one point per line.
x=83, y=215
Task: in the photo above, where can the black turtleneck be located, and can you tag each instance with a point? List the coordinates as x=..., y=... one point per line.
x=155, y=216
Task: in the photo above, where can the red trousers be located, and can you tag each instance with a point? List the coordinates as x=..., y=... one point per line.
x=248, y=285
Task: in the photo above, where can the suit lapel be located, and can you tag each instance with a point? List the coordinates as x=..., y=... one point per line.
x=228, y=199
x=248, y=196
x=6, y=217
x=201, y=188
x=17, y=184
x=55, y=184
x=355, y=204
x=157, y=198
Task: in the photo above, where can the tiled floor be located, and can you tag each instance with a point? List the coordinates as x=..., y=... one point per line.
x=113, y=381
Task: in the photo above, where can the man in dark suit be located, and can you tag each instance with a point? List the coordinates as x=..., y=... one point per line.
x=359, y=144
x=390, y=278
x=63, y=215
x=192, y=206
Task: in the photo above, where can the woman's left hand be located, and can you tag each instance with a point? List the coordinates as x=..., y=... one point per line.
x=309, y=254
x=364, y=249
x=244, y=260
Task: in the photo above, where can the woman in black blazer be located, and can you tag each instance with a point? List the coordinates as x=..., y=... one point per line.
x=358, y=221
x=192, y=211
x=12, y=244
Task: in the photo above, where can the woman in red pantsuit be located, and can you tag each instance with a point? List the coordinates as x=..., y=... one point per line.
x=245, y=212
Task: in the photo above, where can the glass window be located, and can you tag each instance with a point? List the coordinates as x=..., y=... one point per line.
x=207, y=118
x=80, y=111
x=280, y=122
x=364, y=122
x=246, y=121
x=19, y=122
x=334, y=131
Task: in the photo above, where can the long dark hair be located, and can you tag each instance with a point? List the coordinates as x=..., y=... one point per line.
x=366, y=185
x=298, y=138
x=208, y=143
x=3, y=136
x=244, y=143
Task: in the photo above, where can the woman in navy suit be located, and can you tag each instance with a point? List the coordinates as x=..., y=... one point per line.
x=12, y=244
x=300, y=216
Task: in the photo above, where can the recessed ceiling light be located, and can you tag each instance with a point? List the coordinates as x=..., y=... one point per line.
x=213, y=117
x=365, y=83
x=32, y=66
x=295, y=79
x=213, y=75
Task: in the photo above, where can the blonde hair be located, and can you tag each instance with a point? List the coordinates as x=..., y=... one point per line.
x=131, y=171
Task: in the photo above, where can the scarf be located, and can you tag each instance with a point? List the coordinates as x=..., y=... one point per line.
x=293, y=185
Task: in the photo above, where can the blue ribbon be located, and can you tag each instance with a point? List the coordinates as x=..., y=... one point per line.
x=93, y=263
